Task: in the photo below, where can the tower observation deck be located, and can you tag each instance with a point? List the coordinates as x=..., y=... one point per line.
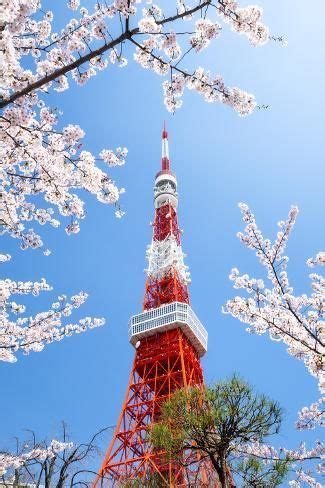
x=169, y=341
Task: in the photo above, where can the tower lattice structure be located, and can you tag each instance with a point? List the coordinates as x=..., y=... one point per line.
x=169, y=341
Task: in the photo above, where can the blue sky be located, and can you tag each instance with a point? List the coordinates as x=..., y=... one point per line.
x=270, y=160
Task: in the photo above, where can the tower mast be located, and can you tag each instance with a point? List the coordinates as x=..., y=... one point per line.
x=169, y=341
x=164, y=150
x=167, y=275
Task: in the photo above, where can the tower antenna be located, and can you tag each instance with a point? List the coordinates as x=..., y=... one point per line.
x=165, y=150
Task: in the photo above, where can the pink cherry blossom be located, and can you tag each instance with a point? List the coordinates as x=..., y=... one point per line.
x=27, y=333
x=295, y=320
x=8, y=461
x=43, y=159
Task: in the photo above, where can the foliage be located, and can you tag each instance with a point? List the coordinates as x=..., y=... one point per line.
x=151, y=481
x=224, y=424
x=255, y=474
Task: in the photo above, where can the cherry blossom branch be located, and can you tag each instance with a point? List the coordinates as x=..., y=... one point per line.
x=8, y=461
x=64, y=70
x=32, y=334
x=127, y=35
x=313, y=416
x=58, y=463
x=271, y=262
x=297, y=321
x=40, y=160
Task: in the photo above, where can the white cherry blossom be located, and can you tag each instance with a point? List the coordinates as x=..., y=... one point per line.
x=313, y=416
x=297, y=457
x=318, y=260
x=27, y=333
x=4, y=258
x=43, y=159
x=295, y=320
x=298, y=321
x=49, y=164
x=28, y=32
x=205, y=30
x=8, y=461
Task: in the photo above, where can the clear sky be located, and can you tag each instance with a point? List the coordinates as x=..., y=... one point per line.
x=270, y=160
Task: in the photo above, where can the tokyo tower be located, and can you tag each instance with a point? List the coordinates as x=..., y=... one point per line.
x=169, y=341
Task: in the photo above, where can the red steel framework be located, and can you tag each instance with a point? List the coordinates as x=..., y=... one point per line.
x=165, y=361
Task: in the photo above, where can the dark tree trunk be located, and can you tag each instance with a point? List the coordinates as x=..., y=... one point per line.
x=220, y=466
x=224, y=473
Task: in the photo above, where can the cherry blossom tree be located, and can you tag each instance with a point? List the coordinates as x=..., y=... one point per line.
x=41, y=158
x=295, y=320
x=27, y=333
x=58, y=463
x=15, y=462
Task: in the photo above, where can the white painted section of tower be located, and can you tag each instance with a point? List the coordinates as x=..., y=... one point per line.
x=167, y=317
x=164, y=148
x=165, y=190
x=165, y=255
x=166, y=177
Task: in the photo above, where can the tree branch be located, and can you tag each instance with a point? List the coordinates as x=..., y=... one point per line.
x=127, y=35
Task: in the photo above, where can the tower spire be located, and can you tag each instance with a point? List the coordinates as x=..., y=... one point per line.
x=165, y=150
